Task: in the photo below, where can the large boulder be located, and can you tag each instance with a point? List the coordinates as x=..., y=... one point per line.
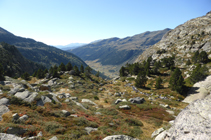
x=22, y=95
x=4, y=101
x=90, y=129
x=4, y=136
x=26, y=96
x=194, y=122
x=137, y=100
x=3, y=109
x=119, y=137
x=88, y=101
x=43, y=100
x=44, y=87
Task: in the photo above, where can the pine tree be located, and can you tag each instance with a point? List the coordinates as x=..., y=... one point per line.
x=1, y=73
x=141, y=79
x=203, y=57
x=158, y=83
x=199, y=73
x=25, y=76
x=82, y=68
x=69, y=66
x=51, y=70
x=77, y=72
x=122, y=72
x=62, y=67
x=40, y=74
x=176, y=81
x=195, y=57
x=88, y=71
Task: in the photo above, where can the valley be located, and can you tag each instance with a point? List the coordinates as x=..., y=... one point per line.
x=161, y=89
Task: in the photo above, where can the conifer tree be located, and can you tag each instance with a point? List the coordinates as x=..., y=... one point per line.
x=1, y=72
x=122, y=72
x=141, y=79
x=176, y=81
x=82, y=68
x=69, y=66
x=62, y=67
x=25, y=76
x=158, y=83
x=77, y=72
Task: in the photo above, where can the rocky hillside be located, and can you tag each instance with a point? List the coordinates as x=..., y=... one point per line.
x=109, y=55
x=183, y=41
x=14, y=63
x=77, y=107
x=38, y=51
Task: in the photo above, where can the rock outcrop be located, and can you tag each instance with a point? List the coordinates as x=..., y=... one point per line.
x=119, y=137
x=194, y=122
x=189, y=37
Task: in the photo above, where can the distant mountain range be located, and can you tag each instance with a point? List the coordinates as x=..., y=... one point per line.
x=40, y=52
x=70, y=46
x=116, y=52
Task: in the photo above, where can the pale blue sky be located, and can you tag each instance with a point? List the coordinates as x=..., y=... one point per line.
x=60, y=22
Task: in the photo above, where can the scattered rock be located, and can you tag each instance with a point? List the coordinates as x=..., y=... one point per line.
x=52, y=82
x=124, y=107
x=118, y=101
x=166, y=106
x=44, y=87
x=117, y=94
x=90, y=129
x=67, y=100
x=15, y=116
x=73, y=115
x=171, y=122
x=73, y=98
x=156, y=132
x=170, y=112
x=24, y=118
x=98, y=113
x=16, y=131
x=4, y=101
x=88, y=101
x=31, y=97
x=40, y=134
x=137, y=100
x=3, y=109
x=4, y=136
x=119, y=137
x=53, y=138
x=43, y=100
x=65, y=113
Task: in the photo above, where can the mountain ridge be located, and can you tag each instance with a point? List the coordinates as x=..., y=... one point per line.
x=40, y=52
x=116, y=52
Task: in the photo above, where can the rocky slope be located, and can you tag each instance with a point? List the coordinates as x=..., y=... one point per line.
x=13, y=62
x=111, y=54
x=182, y=41
x=76, y=107
x=38, y=51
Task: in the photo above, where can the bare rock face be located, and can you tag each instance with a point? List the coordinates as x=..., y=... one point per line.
x=194, y=122
x=186, y=38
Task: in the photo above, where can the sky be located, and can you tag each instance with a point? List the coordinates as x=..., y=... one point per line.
x=61, y=22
